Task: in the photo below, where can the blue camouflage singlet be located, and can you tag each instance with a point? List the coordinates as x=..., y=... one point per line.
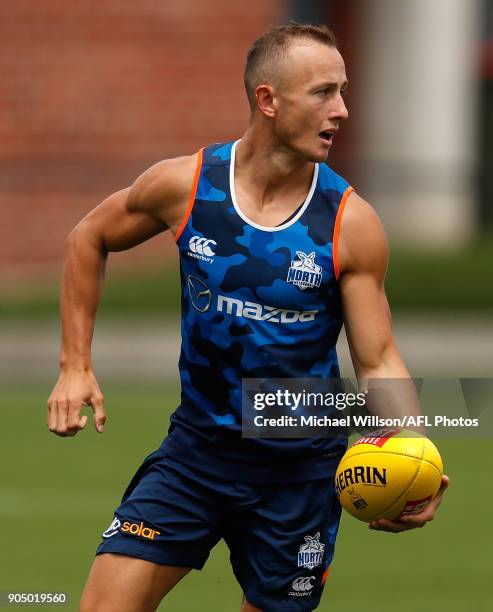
x=256, y=302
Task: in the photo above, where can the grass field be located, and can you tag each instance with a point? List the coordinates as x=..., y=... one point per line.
x=57, y=496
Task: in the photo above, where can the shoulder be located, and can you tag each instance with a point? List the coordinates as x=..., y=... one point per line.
x=164, y=187
x=362, y=242
x=329, y=180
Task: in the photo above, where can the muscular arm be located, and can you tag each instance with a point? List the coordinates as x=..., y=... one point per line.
x=363, y=263
x=376, y=358
x=154, y=203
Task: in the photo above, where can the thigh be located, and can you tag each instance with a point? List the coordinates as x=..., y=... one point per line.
x=281, y=550
x=118, y=583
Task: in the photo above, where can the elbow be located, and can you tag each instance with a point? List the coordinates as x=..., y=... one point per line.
x=79, y=232
x=85, y=235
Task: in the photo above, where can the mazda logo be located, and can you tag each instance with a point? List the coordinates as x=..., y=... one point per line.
x=200, y=294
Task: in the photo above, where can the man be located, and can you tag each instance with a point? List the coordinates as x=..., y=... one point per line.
x=271, y=268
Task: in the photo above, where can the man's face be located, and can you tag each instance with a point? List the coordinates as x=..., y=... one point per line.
x=309, y=100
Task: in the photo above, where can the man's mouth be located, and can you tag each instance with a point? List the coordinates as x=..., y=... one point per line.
x=326, y=136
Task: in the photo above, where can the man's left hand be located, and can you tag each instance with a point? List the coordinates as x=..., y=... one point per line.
x=412, y=521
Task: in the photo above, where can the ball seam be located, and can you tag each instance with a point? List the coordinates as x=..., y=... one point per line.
x=398, y=454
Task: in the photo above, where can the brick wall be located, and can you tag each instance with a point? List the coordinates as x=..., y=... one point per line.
x=92, y=93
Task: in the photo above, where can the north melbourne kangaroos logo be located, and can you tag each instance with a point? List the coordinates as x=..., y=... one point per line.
x=311, y=554
x=304, y=272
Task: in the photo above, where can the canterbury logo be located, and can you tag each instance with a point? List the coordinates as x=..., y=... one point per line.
x=303, y=583
x=202, y=246
x=139, y=529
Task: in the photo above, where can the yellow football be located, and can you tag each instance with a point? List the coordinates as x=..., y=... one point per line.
x=388, y=474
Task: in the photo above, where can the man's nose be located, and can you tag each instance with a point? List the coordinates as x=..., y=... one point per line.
x=340, y=110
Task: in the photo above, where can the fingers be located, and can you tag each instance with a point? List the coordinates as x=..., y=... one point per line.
x=413, y=521
x=73, y=391
x=429, y=511
x=395, y=526
x=97, y=403
x=57, y=416
x=75, y=422
x=51, y=414
x=64, y=417
x=443, y=487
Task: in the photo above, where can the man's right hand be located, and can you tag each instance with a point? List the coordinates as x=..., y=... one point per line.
x=73, y=391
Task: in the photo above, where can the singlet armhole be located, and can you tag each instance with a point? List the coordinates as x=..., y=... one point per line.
x=193, y=192
x=337, y=229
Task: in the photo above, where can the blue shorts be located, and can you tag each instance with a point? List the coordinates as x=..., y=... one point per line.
x=281, y=536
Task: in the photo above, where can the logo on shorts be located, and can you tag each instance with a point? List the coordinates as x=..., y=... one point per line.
x=139, y=529
x=301, y=586
x=112, y=529
x=202, y=248
x=304, y=272
x=311, y=553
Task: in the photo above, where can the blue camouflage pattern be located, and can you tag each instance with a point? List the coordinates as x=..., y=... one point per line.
x=256, y=303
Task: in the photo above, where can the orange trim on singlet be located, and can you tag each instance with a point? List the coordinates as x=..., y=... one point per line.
x=325, y=575
x=191, y=199
x=337, y=229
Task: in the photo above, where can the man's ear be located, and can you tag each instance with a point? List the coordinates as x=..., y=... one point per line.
x=266, y=102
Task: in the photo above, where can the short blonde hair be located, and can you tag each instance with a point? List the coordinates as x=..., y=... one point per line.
x=268, y=51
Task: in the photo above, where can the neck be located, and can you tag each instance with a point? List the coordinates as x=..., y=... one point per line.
x=269, y=165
